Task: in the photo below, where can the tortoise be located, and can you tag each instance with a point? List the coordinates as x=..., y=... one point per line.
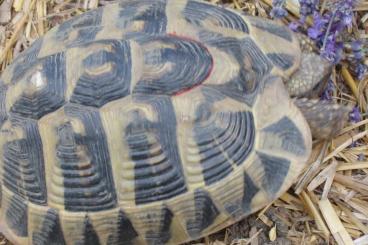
x=155, y=122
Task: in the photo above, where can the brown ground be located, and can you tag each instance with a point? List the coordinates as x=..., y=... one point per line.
x=304, y=218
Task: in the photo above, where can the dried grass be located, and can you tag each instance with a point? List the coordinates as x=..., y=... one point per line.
x=332, y=204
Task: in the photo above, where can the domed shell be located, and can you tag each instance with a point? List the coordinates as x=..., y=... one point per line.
x=147, y=122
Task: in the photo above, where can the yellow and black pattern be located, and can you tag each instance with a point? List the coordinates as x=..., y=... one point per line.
x=22, y=156
x=147, y=122
x=105, y=75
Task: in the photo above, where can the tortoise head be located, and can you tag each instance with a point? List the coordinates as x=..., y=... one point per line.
x=325, y=118
x=310, y=79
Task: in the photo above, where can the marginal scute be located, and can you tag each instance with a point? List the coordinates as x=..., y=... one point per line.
x=158, y=171
x=205, y=213
x=43, y=87
x=51, y=231
x=84, y=162
x=89, y=234
x=224, y=140
x=250, y=190
x=160, y=230
x=275, y=170
x=23, y=164
x=106, y=75
x=125, y=234
x=284, y=135
x=26, y=60
x=271, y=27
x=282, y=60
x=172, y=65
x=17, y=216
x=3, y=113
x=82, y=36
x=86, y=27
x=202, y=14
x=151, y=13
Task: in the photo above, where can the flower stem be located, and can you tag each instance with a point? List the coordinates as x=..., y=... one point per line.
x=328, y=30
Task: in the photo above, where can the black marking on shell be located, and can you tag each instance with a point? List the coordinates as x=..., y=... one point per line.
x=275, y=29
x=250, y=190
x=26, y=60
x=82, y=36
x=23, y=169
x=233, y=208
x=154, y=150
x=223, y=139
x=243, y=205
x=162, y=233
x=86, y=25
x=46, y=81
x=85, y=163
x=151, y=13
x=204, y=215
x=51, y=231
x=90, y=236
x=170, y=71
x=281, y=60
x=97, y=87
x=17, y=216
x=290, y=136
x=126, y=234
x=275, y=171
x=200, y=14
x=3, y=113
x=243, y=87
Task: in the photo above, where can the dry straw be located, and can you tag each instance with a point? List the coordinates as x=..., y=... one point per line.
x=329, y=204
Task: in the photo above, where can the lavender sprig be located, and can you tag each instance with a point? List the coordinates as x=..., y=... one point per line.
x=357, y=59
x=329, y=90
x=307, y=7
x=328, y=27
x=278, y=10
x=355, y=115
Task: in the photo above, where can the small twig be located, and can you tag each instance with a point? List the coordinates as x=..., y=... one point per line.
x=338, y=231
x=312, y=170
x=315, y=214
x=345, y=144
x=351, y=183
x=328, y=30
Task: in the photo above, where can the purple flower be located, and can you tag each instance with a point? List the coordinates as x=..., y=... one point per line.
x=328, y=27
x=355, y=115
x=357, y=60
x=328, y=92
x=356, y=45
x=332, y=49
x=361, y=70
x=319, y=25
x=361, y=157
x=294, y=26
x=278, y=10
x=357, y=48
x=307, y=7
x=345, y=10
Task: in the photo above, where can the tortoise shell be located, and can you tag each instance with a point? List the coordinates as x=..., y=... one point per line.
x=147, y=122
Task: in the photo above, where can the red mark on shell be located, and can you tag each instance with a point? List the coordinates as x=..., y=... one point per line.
x=185, y=90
